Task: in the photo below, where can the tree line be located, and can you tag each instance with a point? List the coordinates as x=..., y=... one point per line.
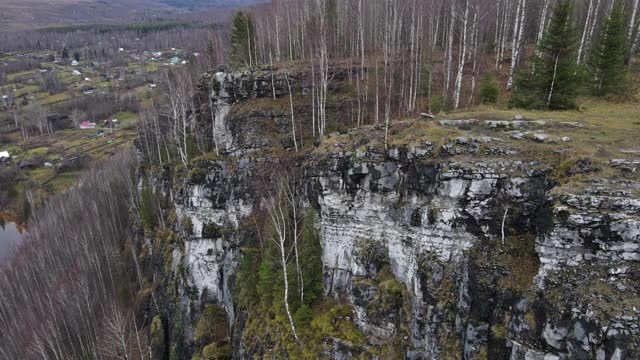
x=102, y=42
x=406, y=57
x=426, y=55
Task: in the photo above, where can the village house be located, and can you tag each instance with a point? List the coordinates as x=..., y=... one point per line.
x=4, y=157
x=87, y=125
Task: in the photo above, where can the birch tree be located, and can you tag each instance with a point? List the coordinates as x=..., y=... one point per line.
x=633, y=29
x=463, y=56
x=280, y=220
x=178, y=91
x=516, y=41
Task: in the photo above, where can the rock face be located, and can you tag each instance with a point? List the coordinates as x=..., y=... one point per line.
x=483, y=257
x=420, y=216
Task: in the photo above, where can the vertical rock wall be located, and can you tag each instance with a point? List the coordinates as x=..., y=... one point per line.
x=437, y=253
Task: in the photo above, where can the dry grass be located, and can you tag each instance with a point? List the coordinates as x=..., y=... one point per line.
x=611, y=130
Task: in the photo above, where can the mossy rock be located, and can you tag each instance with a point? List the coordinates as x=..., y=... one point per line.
x=212, y=231
x=338, y=323
x=372, y=254
x=214, y=351
x=158, y=346
x=212, y=326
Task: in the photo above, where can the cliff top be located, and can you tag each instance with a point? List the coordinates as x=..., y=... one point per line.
x=599, y=141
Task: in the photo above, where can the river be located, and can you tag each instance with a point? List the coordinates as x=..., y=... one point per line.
x=10, y=237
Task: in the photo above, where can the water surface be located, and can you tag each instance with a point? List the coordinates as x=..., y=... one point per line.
x=10, y=236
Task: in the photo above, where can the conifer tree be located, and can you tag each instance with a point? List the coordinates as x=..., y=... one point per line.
x=243, y=40
x=607, y=63
x=553, y=80
x=489, y=91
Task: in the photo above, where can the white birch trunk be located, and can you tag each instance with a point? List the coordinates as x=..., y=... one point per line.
x=474, y=40
x=293, y=117
x=585, y=32
x=594, y=21
x=518, y=30
x=463, y=57
x=632, y=21
x=553, y=81
x=449, y=50
x=542, y=25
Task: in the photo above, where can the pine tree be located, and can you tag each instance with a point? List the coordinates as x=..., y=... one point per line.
x=607, y=62
x=489, y=91
x=243, y=39
x=553, y=80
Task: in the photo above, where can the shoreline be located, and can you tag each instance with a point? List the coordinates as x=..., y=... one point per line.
x=10, y=217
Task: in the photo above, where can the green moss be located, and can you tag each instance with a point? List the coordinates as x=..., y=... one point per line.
x=499, y=331
x=158, y=347
x=212, y=325
x=481, y=354
x=173, y=353
x=338, y=322
x=214, y=351
x=212, y=231
x=530, y=318
x=521, y=262
x=303, y=315
x=389, y=297
x=187, y=225
x=384, y=274
x=451, y=346
x=198, y=172
x=142, y=299
x=371, y=253
x=432, y=216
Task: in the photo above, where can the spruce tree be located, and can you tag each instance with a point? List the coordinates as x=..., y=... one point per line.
x=553, y=81
x=607, y=61
x=489, y=91
x=242, y=39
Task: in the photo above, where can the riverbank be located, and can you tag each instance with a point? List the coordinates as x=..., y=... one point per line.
x=9, y=216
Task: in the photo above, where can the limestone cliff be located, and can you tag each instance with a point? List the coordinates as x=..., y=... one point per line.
x=448, y=247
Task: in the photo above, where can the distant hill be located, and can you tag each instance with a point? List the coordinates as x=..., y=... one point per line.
x=28, y=14
x=204, y=4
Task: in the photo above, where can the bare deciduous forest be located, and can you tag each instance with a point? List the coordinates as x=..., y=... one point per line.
x=66, y=293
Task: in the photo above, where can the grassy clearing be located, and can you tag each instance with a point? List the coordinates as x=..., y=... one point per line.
x=46, y=181
x=607, y=131
x=47, y=99
x=611, y=130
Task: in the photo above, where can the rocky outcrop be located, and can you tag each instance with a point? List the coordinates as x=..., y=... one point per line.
x=458, y=250
x=417, y=215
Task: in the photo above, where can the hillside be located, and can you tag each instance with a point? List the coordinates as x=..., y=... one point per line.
x=18, y=15
x=204, y=4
